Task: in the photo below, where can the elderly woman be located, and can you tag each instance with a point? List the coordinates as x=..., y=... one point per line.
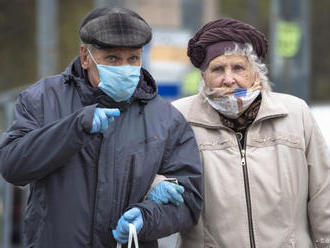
x=266, y=164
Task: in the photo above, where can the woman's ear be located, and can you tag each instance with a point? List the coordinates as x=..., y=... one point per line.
x=256, y=77
x=203, y=75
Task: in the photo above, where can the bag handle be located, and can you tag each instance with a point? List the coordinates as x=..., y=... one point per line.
x=132, y=235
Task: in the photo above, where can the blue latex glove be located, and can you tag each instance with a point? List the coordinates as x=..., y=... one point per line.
x=102, y=118
x=121, y=232
x=167, y=192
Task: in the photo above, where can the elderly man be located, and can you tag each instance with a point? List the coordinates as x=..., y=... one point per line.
x=266, y=164
x=90, y=141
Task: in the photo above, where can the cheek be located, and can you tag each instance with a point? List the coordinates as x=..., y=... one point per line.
x=251, y=81
x=213, y=81
x=93, y=77
x=245, y=81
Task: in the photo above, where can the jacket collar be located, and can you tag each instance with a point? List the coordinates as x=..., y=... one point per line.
x=74, y=73
x=270, y=107
x=201, y=113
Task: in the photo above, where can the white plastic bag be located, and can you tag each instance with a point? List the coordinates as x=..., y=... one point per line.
x=132, y=235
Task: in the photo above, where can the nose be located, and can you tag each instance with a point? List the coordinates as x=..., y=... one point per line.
x=228, y=79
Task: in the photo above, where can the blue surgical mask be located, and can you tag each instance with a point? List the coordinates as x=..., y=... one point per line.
x=118, y=82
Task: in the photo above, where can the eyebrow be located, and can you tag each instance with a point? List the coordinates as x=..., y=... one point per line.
x=239, y=63
x=115, y=54
x=112, y=55
x=136, y=54
x=217, y=65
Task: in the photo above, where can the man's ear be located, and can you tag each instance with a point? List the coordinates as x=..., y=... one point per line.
x=84, y=57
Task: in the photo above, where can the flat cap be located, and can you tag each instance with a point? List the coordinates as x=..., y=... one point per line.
x=114, y=27
x=224, y=30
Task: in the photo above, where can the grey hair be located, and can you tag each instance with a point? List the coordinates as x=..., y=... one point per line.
x=89, y=46
x=259, y=67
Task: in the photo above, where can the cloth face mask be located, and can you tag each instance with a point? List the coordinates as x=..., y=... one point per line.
x=118, y=82
x=233, y=105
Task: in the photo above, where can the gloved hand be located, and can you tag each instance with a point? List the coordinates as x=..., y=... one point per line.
x=167, y=192
x=121, y=232
x=102, y=118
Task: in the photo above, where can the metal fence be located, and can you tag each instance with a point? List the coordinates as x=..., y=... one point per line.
x=7, y=105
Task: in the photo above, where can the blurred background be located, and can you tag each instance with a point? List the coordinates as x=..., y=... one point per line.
x=40, y=38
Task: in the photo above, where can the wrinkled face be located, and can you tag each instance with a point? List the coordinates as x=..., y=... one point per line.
x=229, y=71
x=108, y=56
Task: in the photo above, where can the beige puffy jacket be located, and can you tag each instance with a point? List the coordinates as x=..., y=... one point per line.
x=273, y=193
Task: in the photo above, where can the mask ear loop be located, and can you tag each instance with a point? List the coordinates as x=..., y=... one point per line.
x=98, y=64
x=256, y=85
x=91, y=56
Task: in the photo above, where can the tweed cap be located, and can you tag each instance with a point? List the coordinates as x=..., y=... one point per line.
x=114, y=27
x=224, y=30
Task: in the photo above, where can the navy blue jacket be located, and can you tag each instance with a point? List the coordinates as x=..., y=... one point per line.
x=81, y=183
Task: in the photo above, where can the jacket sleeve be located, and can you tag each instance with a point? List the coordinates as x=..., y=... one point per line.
x=181, y=161
x=30, y=150
x=318, y=159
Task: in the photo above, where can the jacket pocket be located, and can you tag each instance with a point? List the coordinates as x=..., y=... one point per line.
x=33, y=225
x=209, y=241
x=286, y=139
x=137, y=172
x=144, y=166
x=290, y=242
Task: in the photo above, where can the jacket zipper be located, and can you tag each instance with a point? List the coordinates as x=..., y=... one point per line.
x=247, y=189
x=94, y=201
x=95, y=193
x=115, y=184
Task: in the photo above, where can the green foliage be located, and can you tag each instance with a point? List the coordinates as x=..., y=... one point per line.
x=17, y=43
x=71, y=14
x=257, y=12
x=18, y=52
x=320, y=64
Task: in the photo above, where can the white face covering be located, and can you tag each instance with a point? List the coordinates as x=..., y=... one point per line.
x=234, y=104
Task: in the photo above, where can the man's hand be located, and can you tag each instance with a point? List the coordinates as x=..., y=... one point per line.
x=121, y=232
x=102, y=118
x=167, y=192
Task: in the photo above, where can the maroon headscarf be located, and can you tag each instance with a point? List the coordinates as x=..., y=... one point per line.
x=215, y=36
